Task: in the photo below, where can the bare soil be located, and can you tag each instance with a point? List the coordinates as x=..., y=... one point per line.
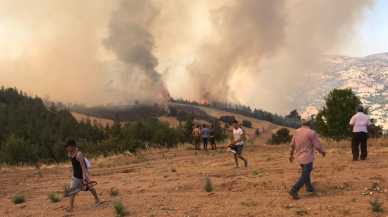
x=148, y=187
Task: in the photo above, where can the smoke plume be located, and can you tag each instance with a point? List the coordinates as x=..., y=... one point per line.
x=133, y=43
x=261, y=51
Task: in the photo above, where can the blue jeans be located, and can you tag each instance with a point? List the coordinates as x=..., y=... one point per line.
x=304, y=178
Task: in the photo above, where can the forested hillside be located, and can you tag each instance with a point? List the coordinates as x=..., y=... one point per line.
x=32, y=133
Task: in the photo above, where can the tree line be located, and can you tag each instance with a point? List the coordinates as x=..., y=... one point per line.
x=241, y=110
x=32, y=132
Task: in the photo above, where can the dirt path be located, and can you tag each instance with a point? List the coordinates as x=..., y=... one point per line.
x=148, y=187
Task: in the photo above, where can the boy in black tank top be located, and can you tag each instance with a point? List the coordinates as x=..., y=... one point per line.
x=80, y=172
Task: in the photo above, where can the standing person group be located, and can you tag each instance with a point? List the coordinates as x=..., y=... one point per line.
x=205, y=133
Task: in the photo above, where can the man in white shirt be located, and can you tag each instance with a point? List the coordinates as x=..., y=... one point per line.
x=361, y=125
x=239, y=142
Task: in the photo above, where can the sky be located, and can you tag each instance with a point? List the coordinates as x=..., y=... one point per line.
x=372, y=34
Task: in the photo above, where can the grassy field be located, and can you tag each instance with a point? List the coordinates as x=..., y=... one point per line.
x=172, y=183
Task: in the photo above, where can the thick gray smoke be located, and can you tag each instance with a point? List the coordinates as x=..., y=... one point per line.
x=261, y=51
x=133, y=44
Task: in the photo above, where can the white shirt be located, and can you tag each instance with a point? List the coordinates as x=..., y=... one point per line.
x=237, y=133
x=360, y=121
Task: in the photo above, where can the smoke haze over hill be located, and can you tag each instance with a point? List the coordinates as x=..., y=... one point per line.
x=254, y=52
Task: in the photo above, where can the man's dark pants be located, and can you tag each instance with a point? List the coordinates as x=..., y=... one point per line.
x=304, y=178
x=197, y=142
x=358, y=138
x=205, y=143
x=213, y=142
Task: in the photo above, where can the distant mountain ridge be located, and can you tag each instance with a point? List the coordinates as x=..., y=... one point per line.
x=366, y=76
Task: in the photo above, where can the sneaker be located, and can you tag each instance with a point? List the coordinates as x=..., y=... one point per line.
x=246, y=162
x=236, y=167
x=294, y=195
x=97, y=203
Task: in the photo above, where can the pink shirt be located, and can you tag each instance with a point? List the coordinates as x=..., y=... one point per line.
x=303, y=142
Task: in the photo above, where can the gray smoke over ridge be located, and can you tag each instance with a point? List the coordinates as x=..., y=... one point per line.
x=262, y=51
x=133, y=43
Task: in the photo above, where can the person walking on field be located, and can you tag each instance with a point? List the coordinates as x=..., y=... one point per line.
x=361, y=125
x=80, y=172
x=303, y=143
x=238, y=141
x=205, y=134
x=212, y=138
x=197, y=137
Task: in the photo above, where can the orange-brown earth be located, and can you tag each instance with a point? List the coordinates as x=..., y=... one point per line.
x=148, y=187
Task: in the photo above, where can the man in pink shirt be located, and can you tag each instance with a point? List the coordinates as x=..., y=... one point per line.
x=303, y=143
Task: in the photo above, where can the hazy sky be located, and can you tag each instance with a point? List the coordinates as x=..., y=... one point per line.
x=372, y=34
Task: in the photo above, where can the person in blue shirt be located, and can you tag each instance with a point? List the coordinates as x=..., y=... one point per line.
x=212, y=138
x=205, y=133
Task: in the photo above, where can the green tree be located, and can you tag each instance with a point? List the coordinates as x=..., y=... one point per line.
x=182, y=116
x=280, y=137
x=247, y=123
x=173, y=112
x=333, y=120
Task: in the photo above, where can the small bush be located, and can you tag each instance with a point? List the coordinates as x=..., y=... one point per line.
x=137, y=102
x=66, y=189
x=208, y=185
x=247, y=123
x=173, y=170
x=120, y=209
x=195, y=153
x=376, y=205
x=40, y=173
x=227, y=119
x=18, y=199
x=113, y=191
x=173, y=112
x=126, y=163
x=282, y=136
x=109, y=165
x=100, y=165
x=53, y=197
x=257, y=132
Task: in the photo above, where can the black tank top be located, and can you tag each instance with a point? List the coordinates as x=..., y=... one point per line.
x=76, y=167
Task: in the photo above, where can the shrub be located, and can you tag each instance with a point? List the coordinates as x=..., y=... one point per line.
x=120, y=209
x=228, y=119
x=137, y=102
x=257, y=132
x=208, y=185
x=53, y=197
x=182, y=116
x=113, y=191
x=376, y=205
x=173, y=170
x=17, y=150
x=173, y=112
x=282, y=136
x=40, y=173
x=18, y=199
x=247, y=123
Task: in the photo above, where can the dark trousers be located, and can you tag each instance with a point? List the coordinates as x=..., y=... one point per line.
x=205, y=143
x=213, y=142
x=197, y=142
x=358, y=138
x=304, y=178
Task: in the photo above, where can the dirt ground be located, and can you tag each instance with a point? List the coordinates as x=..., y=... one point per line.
x=148, y=187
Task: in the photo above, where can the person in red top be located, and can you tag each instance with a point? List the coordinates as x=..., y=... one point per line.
x=303, y=143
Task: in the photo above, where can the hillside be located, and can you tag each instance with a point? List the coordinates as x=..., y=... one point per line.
x=366, y=76
x=202, y=114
